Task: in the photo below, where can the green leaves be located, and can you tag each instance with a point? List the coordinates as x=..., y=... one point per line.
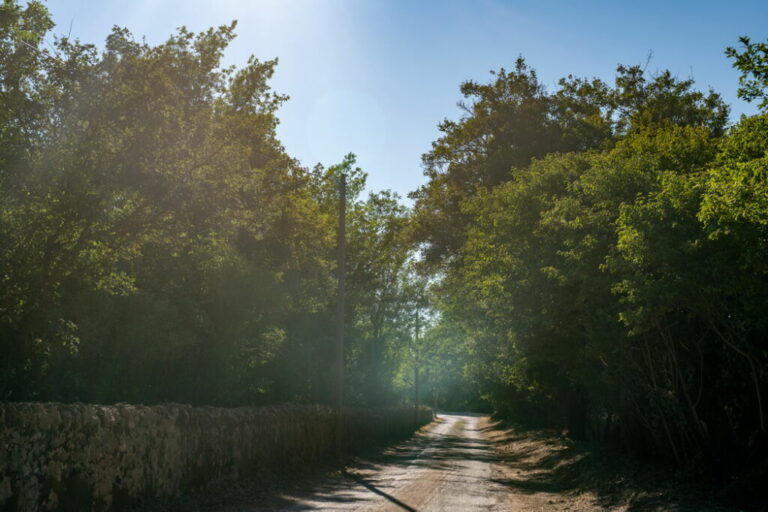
x=752, y=61
x=513, y=120
x=153, y=193
x=616, y=284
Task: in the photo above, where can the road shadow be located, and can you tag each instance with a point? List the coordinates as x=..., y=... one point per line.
x=363, y=482
x=426, y=450
x=432, y=451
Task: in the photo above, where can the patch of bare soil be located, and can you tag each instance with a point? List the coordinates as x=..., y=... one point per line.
x=548, y=472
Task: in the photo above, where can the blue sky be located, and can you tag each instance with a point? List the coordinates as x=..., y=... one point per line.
x=374, y=77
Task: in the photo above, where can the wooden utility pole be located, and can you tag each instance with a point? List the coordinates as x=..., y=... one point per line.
x=341, y=263
x=416, y=374
x=434, y=392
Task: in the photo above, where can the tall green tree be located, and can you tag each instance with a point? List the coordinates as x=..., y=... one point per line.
x=513, y=119
x=153, y=195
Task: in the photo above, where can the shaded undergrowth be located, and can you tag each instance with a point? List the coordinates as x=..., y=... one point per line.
x=614, y=477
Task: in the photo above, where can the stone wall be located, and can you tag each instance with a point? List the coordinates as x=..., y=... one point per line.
x=93, y=457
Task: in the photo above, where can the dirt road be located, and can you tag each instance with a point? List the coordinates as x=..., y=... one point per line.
x=465, y=462
x=451, y=465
